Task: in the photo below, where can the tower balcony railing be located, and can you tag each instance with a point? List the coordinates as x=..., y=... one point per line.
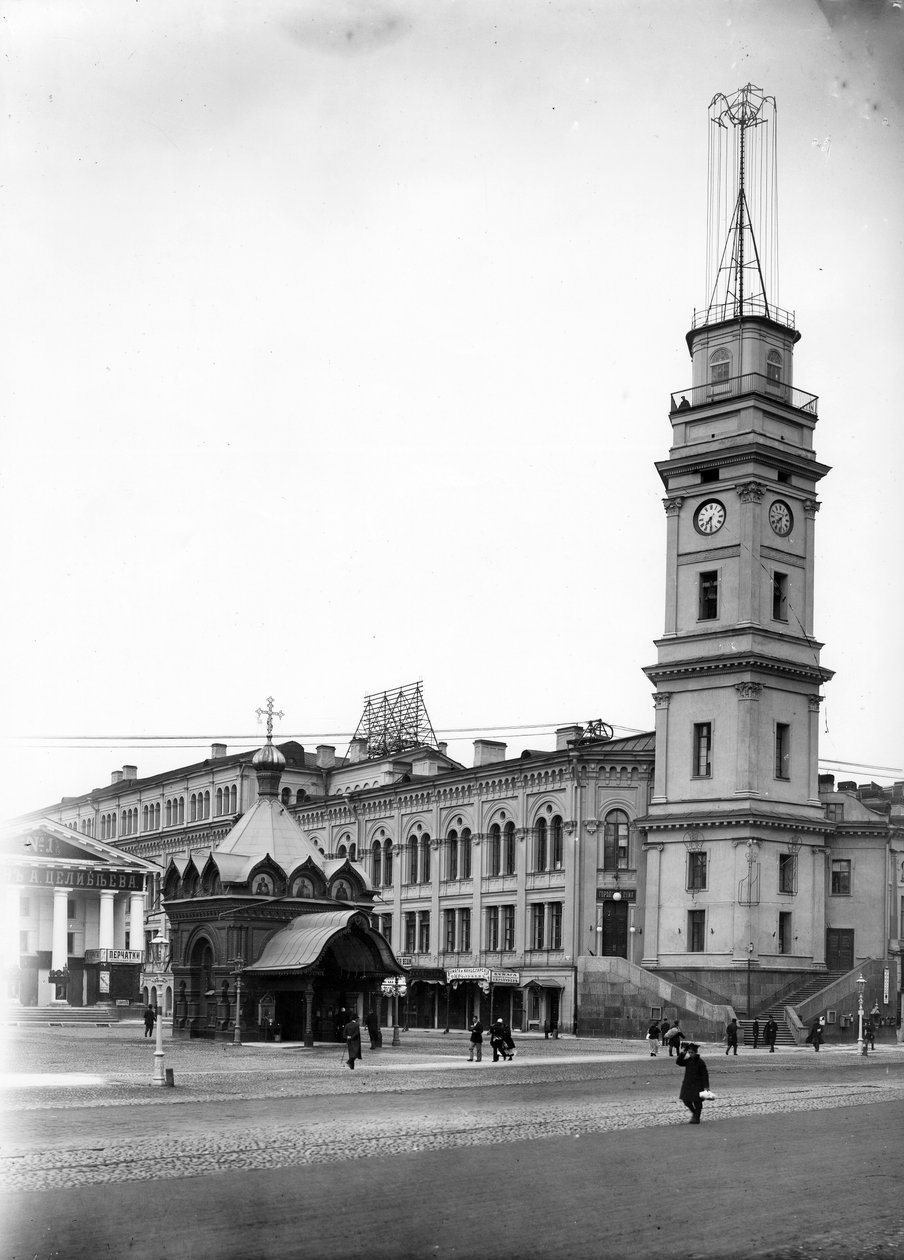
x=749, y=383
x=722, y=312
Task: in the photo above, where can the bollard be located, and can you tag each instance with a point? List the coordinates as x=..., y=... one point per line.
x=170, y=1078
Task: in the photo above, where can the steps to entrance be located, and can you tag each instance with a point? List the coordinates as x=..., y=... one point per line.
x=782, y=1038
x=64, y=1016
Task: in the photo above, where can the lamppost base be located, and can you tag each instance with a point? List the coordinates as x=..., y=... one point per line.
x=159, y=1077
x=396, y=1040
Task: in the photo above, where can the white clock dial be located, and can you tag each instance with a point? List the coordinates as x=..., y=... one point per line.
x=780, y=518
x=710, y=517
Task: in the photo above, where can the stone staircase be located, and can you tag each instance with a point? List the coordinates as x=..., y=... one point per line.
x=66, y=1016
x=784, y=1036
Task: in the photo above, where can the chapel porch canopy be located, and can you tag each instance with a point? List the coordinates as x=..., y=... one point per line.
x=303, y=943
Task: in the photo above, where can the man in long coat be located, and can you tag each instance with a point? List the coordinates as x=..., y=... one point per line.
x=352, y=1033
x=696, y=1078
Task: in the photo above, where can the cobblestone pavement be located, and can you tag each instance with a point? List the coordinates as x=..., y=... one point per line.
x=108, y=1072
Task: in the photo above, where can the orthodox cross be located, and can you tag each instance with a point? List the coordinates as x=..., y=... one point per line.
x=270, y=716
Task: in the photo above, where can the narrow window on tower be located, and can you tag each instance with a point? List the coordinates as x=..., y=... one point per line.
x=708, y=601
x=782, y=750
x=779, y=596
x=696, y=872
x=774, y=366
x=841, y=877
x=719, y=366
x=703, y=736
x=787, y=873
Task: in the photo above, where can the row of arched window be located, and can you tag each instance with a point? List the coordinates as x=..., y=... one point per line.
x=547, y=853
x=720, y=366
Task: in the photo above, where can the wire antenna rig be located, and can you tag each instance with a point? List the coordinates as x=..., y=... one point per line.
x=393, y=721
x=742, y=207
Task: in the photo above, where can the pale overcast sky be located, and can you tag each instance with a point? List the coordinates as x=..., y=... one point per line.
x=338, y=341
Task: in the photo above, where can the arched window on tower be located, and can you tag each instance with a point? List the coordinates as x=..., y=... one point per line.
x=615, y=840
x=719, y=366
x=774, y=365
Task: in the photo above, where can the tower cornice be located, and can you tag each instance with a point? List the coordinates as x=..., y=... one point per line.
x=748, y=662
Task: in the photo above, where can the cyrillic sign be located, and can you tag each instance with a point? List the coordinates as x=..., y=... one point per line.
x=69, y=877
x=486, y=974
x=114, y=955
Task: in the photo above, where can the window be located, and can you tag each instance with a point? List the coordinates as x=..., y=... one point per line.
x=495, y=859
x=449, y=930
x=425, y=859
x=376, y=862
x=782, y=750
x=540, y=850
x=412, y=861
x=410, y=930
x=787, y=873
x=774, y=366
x=385, y=928
x=780, y=597
x=492, y=927
x=835, y=812
x=508, y=927
x=464, y=931
x=615, y=840
x=709, y=475
x=696, y=930
x=70, y=944
x=708, y=606
x=70, y=907
x=719, y=366
x=464, y=855
x=538, y=926
x=703, y=736
x=696, y=871
x=555, y=925
x=784, y=932
x=23, y=942
x=556, y=843
x=508, y=849
x=452, y=859
x=841, y=877
x=387, y=862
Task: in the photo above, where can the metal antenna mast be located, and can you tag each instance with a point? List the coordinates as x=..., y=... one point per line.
x=744, y=146
x=395, y=720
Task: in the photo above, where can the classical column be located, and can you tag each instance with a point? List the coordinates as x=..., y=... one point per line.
x=59, y=940
x=818, y=931
x=651, y=905
x=747, y=776
x=660, y=783
x=750, y=492
x=672, y=510
x=105, y=938
x=136, y=921
x=813, y=703
x=811, y=507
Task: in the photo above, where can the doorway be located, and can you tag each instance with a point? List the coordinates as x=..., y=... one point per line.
x=839, y=949
x=615, y=929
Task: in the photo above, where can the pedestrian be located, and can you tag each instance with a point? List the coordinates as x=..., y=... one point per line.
x=498, y=1042
x=475, y=1042
x=372, y=1024
x=696, y=1079
x=148, y=1021
x=731, y=1036
x=770, y=1032
x=814, y=1037
x=653, y=1038
x=869, y=1034
x=756, y=1033
x=664, y=1028
x=673, y=1038
x=352, y=1031
x=508, y=1040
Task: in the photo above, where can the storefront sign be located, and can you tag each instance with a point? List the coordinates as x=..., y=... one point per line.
x=113, y=955
x=394, y=987
x=624, y=894
x=69, y=877
x=485, y=974
x=405, y=960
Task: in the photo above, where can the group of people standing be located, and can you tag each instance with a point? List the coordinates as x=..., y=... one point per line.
x=501, y=1041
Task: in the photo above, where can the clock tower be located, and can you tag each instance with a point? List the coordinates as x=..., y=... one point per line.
x=734, y=832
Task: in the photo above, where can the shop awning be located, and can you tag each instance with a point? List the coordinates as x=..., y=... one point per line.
x=543, y=984
x=303, y=942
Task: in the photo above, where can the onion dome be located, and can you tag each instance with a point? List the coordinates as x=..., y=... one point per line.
x=268, y=764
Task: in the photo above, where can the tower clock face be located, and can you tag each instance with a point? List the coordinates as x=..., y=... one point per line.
x=710, y=517
x=780, y=518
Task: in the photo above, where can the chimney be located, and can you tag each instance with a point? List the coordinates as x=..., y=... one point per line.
x=116, y=776
x=827, y=783
x=357, y=750
x=129, y=773
x=326, y=756
x=486, y=751
x=217, y=751
x=565, y=734
x=441, y=748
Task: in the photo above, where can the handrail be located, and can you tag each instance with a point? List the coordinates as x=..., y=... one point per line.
x=749, y=383
x=722, y=312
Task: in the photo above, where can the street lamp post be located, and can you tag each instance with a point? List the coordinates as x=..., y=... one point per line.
x=159, y=1075
x=861, y=1044
x=237, y=1031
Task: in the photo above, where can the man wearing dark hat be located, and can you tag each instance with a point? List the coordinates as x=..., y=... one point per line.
x=696, y=1079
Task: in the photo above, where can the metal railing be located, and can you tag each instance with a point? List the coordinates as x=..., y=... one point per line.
x=736, y=386
x=721, y=312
